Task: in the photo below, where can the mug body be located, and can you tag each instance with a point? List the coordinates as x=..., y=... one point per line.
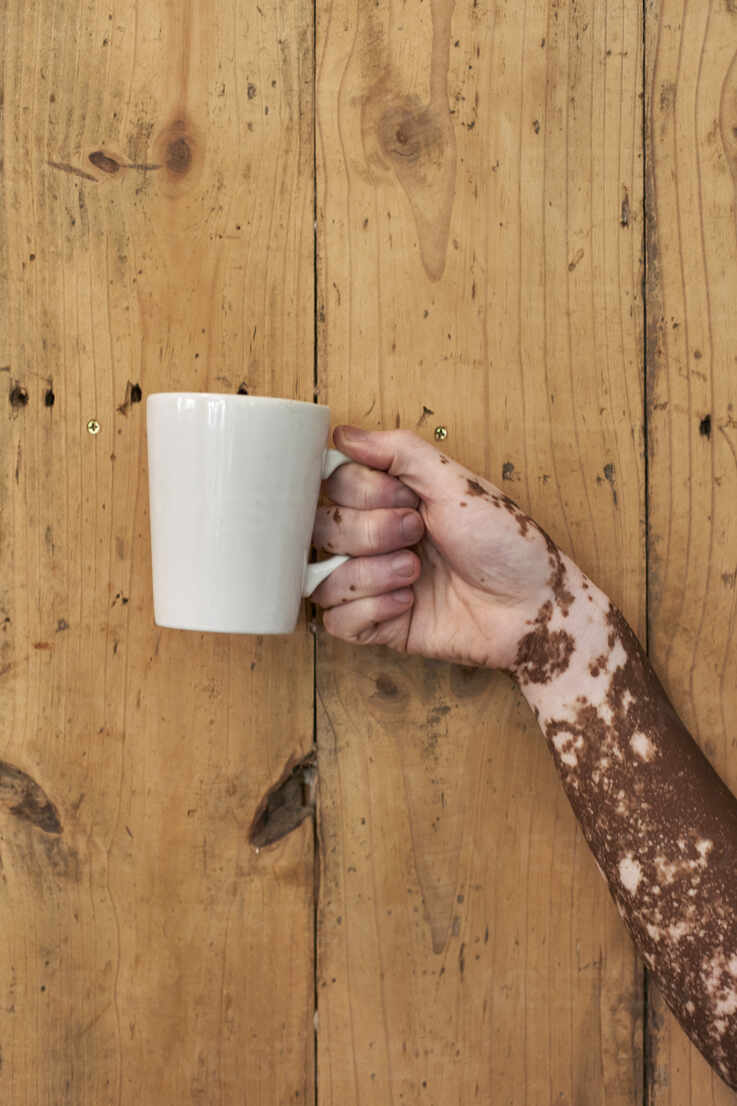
x=234, y=482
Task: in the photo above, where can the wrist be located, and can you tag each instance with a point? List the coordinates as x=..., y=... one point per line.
x=568, y=633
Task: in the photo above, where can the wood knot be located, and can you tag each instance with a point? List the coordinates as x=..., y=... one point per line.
x=411, y=132
x=102, y=161
x=388, y=696
x=385, y=687
x=178, y=155
x=285, y=805
x=18, y=396
x=177, y=148
x=415, y=141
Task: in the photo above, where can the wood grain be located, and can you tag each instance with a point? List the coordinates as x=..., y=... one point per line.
x=157, y=211
x=479, y=181
x=692, y=375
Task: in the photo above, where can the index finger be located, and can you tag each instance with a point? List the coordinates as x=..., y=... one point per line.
x=355, y=485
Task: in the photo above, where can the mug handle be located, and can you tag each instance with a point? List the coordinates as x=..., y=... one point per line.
x=318, y=571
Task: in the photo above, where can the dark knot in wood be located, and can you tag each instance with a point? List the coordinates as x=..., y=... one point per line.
x=411, y=132
x=103, y=162
x=178, y=156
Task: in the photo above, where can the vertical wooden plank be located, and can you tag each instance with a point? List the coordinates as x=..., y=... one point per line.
x=158, y=220
x=479, y=268
x=692, y=372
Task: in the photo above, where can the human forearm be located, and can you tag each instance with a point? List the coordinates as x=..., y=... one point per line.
x=660, y=822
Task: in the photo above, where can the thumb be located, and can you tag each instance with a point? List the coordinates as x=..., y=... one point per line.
x=401, y=453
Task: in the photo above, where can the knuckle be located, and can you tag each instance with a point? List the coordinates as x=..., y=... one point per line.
x=332, y=623
x=362, y=575
x=366, y=489
x=403, y=436
x=371, y=532
x=367, y=634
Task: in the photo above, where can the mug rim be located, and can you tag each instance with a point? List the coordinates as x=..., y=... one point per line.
x=237, y=397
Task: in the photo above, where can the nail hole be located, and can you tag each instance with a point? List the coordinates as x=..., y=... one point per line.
x=18, y=396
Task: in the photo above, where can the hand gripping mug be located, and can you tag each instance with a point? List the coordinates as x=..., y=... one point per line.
x=233, y=485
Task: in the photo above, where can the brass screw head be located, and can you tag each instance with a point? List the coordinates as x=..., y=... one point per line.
x=441, y=433
x=93, y=426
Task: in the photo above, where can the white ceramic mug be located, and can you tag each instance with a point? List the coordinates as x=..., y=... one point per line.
x=233, y=483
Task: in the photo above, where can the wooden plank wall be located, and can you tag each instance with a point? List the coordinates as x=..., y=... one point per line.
x=434, y=212
x=158, y=234
x=486, y=266
x=692, y=409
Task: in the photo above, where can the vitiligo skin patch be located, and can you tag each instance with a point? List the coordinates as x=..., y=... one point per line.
x=659, y=820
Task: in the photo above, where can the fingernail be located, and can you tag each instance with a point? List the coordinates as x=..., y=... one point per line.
x=403, y=565
x=412, y=527
x=402, y=597
x=353, y=434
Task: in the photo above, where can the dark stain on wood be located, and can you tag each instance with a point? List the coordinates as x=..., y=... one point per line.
x=624, y=217
x=22, y=797
x=609, y=477
x=64, y=167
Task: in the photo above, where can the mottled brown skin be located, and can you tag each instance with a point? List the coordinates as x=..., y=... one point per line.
x=542, y=654
x=659, y=820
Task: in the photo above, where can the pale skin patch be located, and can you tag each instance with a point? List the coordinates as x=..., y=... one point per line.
x=642, y=746
x=566, y=745
x=704, y=847
x=679, y=930
x=630, y=873
x=578, y=680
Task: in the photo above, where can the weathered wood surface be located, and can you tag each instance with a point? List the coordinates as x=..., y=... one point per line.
x=157, y=233
x=479, y=177
x=479, y=269
x=692, y=374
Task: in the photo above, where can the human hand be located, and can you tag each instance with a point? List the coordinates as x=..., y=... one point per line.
x=478, y=572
